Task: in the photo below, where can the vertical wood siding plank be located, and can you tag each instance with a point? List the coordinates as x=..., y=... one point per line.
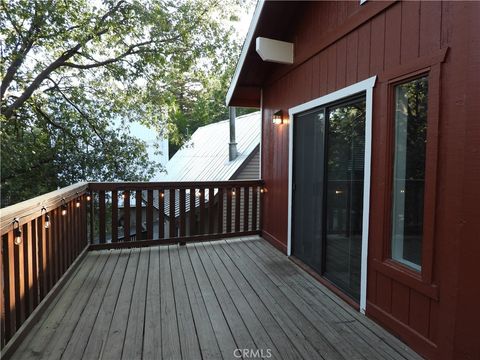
x=341, y=63
x=393, y=27
x=410, y=36
x=363, y=54
x=377, y=44
x=430, y=26
x=332, y=68
x=352, y=58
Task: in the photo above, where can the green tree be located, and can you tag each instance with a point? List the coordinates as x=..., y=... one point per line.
x=76, y=73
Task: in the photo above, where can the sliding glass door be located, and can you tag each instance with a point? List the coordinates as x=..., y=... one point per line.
x=328, y=172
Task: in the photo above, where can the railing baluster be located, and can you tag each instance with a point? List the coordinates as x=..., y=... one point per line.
x=34, y=253
x=237, y=209
x=192, y=203
x=41, y=256
x=211, y=198
x=220, y=210
x=114, y=216
x=246, y=205
x=28, y=272
x=149, y=215
x=161, y=214
x=19, y=284
x=182, y=213
x=171, y=213
x=126, y=215
x=138, y=214
x=101, y=214
x=254, y=207
x=202, y=221
x=9, y=284
x=229, y=210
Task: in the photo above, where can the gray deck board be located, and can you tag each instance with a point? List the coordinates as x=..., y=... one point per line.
x=202, y=301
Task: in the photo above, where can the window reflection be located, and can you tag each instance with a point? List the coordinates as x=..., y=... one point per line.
x=411, y=101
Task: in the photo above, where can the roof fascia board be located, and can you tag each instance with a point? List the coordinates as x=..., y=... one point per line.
x=246, y=46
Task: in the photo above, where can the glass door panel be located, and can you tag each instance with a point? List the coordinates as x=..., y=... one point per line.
x=308, y=185
x=344, y=195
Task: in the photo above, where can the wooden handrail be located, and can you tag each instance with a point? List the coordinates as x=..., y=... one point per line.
x=109, y=186
x=38, y=251
x=30, y=209
x=173, y=211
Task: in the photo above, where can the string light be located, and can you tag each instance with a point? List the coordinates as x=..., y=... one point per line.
x=233, y=192
x=199, y=193
x=47, y=218
x=89, y=197
x=162, y=194
x=64, y=207
x=17, y=233
x=77, y=204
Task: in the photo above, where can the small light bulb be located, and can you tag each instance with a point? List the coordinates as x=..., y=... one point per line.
x=89, y=197
x=47, y=221
x=18, y=236
x=64, y=212
x=77, y=204
x=199, y=194
x=123, y=195
x=233, y=192
x=162, y=194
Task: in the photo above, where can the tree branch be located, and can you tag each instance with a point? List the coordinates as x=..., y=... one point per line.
x=44, y=74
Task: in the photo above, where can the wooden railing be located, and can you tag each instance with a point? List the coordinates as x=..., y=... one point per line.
x=41, y=238
x=44, y=236
x=140, y=214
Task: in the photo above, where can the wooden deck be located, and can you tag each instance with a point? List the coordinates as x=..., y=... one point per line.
x=202, y=301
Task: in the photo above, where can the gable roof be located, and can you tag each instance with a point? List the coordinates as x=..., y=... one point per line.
x=205, y=156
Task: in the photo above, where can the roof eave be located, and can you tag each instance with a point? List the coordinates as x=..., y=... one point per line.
x=243, y=54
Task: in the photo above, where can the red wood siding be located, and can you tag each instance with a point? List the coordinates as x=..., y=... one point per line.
x=431, y=316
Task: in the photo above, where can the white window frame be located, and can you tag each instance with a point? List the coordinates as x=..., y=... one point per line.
x=362, y=86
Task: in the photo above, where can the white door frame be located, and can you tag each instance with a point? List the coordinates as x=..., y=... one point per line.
x=362, y=86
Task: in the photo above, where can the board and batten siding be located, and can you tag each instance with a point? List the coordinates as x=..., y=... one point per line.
x=337, y=45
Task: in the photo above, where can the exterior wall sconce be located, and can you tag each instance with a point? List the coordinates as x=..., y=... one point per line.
x=277, y=118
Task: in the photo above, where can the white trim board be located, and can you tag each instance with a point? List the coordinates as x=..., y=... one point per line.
x=362, y=86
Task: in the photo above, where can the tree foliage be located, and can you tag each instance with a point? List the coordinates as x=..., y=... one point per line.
x=76, y=73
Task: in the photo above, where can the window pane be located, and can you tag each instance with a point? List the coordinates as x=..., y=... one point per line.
x=409, y=171
x=344, y=195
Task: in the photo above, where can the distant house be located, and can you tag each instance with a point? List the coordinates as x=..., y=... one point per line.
x=206, y=157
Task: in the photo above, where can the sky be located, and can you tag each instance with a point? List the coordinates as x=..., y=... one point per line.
x=148, y=135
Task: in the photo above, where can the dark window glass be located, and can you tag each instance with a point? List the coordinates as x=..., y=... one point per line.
x=409, y=171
